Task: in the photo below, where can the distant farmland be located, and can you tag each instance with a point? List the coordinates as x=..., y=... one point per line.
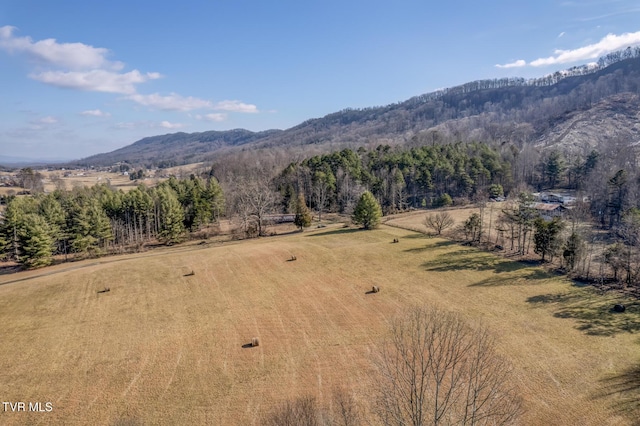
x=166, y=347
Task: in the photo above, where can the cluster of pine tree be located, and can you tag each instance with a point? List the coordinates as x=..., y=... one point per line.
x=417, y=177
x=89, y=221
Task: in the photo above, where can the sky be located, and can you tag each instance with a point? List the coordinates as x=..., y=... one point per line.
x=79, y=78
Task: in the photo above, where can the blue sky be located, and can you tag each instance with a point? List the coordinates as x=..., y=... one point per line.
x=81, y=77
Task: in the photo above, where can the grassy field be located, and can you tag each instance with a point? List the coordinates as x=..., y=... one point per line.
x=415, y=220
x=165, y=348
x=86, y=178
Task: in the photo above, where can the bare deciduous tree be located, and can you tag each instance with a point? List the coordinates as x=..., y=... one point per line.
x=306, y=411
x=302, y=411
x=435, y=369
x=254, y=199
x=345, y=410
x=439, y=222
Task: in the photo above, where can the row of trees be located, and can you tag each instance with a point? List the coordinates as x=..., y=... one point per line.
x=429, y=175
x=88, y=221
x=583, y=251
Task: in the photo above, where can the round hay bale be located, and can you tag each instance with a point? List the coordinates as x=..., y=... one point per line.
x=375, y=289
x=619, y=308
x=255, y=342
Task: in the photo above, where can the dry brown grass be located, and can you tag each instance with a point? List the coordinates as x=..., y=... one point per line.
x=160, y=348
x=415, y=220
x=83, y=178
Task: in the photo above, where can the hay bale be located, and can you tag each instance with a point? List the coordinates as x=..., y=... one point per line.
x=375, y=289
x=255, y=342
x=619, y=308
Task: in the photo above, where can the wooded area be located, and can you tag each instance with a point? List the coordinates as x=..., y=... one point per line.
x=98, y=220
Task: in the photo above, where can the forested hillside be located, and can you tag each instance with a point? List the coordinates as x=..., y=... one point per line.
x=511, y=109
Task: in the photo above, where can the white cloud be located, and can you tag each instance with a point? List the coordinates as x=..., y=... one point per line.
x=236, y=106
x=48, y=120
x=95, y=113
x=216, y=117
x=609, y=43
x=517, y=64
x=167, y=125
x=74, y=65
x=84, y=67
x=37, y=125
x=76, y=56
x=126, y=125
x=561, y=34
x=172, y=102
x=95, y=80
x=147, y=125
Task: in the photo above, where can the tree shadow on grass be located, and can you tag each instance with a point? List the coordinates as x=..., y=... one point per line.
x=527, y=277
x=473, y=260
x=435, y=245
x=624, y=388
x=335, y=232
x=417, y=236
x=9, y=269
x=594, y=313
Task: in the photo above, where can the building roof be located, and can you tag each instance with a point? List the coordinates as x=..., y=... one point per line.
x=546, y=206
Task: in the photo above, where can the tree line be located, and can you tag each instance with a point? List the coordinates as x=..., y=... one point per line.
x=95, y=220
x=426, y=176
x=100, y=219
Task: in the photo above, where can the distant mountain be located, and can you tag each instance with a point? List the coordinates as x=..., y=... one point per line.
x=177, y=148
x=10, y=161
x=550, y=111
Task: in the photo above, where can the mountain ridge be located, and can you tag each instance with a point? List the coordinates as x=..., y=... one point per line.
x=483, y=109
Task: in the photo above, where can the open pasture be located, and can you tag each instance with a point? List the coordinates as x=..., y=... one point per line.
x=415, y=220
x=170, y=342
x=75, y=178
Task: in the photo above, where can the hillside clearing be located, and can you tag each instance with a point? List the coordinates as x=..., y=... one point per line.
x=165, y=347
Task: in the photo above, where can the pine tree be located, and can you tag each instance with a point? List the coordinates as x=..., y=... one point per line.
x=215, y=198
x=547, y=236
x=367, y=212
x=303, y=215
x=17, y=209
x=91, y=228
x=574, y=249
x=55, y=216
x=554, y=168
x=35, y=245
x=171, y=216
x=473, y=228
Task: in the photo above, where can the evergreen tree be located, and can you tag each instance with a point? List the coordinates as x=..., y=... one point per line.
x=496, y=190
x=55, y=216
x=473, y=228
x=444, y=200
x=573, y=250
x=35, y=245
x=17, y=209
x=171, y=216
x=367, y=212
x=215, y=198
x=547, y=236
x=91, y=228
x=554, y=168
x=303, y=215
